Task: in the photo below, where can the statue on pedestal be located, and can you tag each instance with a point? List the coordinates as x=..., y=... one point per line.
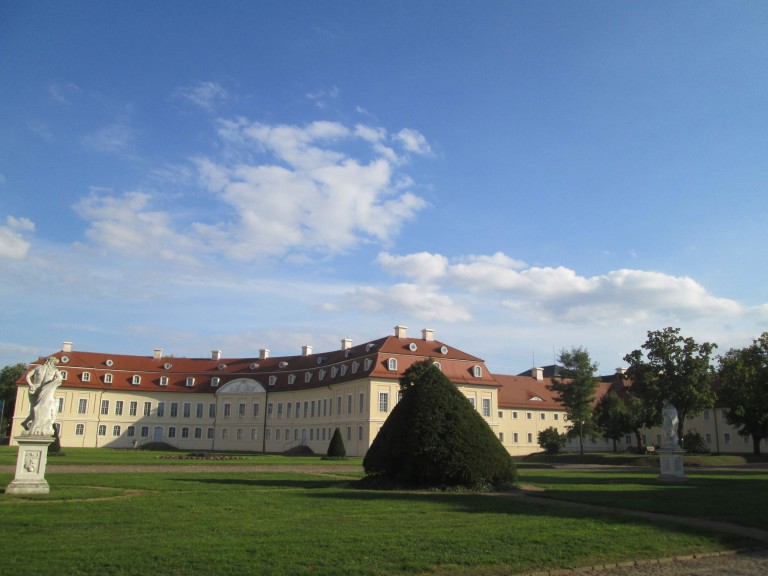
x=671, y=422
x=43, y=382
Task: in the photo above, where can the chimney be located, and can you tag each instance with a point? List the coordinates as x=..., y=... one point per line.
x=428, y=334
x=346, y=344
x=401, y=331
x=157, y=353
x=66, y=346
x=621, y=371
x=306, y=350
x=263, y=353
x=537, y=373
x=215, y=354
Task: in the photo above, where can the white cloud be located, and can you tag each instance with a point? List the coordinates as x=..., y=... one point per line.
x=561, y=295
x=402, y=300
x=12, y=243
x=413, y=141
x=205, y=95
x=115, y=137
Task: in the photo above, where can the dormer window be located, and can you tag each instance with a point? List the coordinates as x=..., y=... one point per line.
x=437, y=365
x=392, y=364
x=215, y=382
x=334, y=371
x=367, y=364
x=355, y=366
x=86, y=376
x=163, y=380
x=136, y=380
x=107, y=378
x=307, y=377
x=321, y=374
x=536, y=399
x=63, y=374
x=272, y=380
x=344, y=369
x=291, y=378
x=477, y=371
x=190, y=381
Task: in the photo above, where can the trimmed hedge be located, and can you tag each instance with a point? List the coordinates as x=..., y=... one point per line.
x=434, y=437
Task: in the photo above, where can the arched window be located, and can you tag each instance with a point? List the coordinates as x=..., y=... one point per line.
x=392, y=364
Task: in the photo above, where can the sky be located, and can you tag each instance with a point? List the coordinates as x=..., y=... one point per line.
x=521, y=177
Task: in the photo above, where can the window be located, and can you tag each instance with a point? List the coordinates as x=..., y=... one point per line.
x=367, y=364
x=147, y=408
x=543, y=416
x=392, y=364
x=312, y=409
x=187, y=409
x=529, y=415
x=307, y=377
x=82, y=406
x=272, y=380
x=209, y=433
x=107, y=378
x=269, y=409
x=501, y=436
x=254, y=433
x=241, y=410
x=102, y=429
x=343, y=369
x=437, y=365
x=355, y=367
x=105, y=406
x=279, y=409
x=163, y=380
x=228, y=409
x=160, y=409
x=556, y=416
x=487, y=407
x=325, y=406
x=515, y=438
x=338, y=405
x=291, y=378
x=727, y=438
x=225, y=433
x=63, y=374
x=198, y=433
x=130, y=431
x=115, y=430
x=472, y=401
x=362, y=403
x=172, y=432
x=306, y=409
x=190, y=381
x=288, y=410
x=514, y=414
x=136, y=380
x=86, y=376
x=215, y=382
x=359, y=432
x=383, y=402
x=477, y=371
x=349, y=403
x=174, y=409
x=255, y=409
x=349, y=433
x=144, y=431
x=709, y=439
x=530, y=438
x=268, y=434
x=211, y=410
x=706, y=414
x=59, y=405
x=133, y=408
x=199, y=410
x=277, y=434
x=79, y=429
x=185, y=432
x=501, y=414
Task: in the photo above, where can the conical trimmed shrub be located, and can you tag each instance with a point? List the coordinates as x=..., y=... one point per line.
x=434, y=437
x=336, y=448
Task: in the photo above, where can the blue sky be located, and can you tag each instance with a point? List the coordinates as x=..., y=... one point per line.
x=521, y=177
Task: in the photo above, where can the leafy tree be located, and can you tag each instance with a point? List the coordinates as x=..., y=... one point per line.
x=674, y=369
x=637, y=415
x=575, y=390
x=612, y=417
x=336, y=448
x=693, y=443
x=743, y=389
x=8, y=377
x=434, y=437
x=551, y=440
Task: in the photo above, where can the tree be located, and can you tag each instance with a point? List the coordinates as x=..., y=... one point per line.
x=336, y=448
x=612, y=417
x=435, y=437
x=551, y=440
x=575, y=390
x=674, y=369
x=743, y=377
x=8, y=377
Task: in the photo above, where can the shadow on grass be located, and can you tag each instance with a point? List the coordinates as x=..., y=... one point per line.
x=267, y=483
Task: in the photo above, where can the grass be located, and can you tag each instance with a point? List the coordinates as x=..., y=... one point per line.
x=310, y=523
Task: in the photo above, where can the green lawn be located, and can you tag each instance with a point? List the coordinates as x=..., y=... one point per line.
x=308, y=523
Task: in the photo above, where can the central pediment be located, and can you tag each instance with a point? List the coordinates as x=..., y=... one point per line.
x=242, y=386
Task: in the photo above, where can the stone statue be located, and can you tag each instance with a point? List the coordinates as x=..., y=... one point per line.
x=671, y=422
x=43, y=382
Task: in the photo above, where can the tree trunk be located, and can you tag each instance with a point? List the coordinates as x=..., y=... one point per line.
x=756, y=444
x=581, y=439
x=680, y=422
x=639, y=440
x=615, y=448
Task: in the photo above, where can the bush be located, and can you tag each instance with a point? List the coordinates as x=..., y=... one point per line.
x=551, y=440
x=693, y=443
x=336, y=448
x=54, y=448
x=435, y=438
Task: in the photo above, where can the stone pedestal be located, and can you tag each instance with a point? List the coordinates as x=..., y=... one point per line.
x=30, y=466
x=671, y=459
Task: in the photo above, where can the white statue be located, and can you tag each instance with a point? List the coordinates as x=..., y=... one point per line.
x=671, y=422
x=43, y=382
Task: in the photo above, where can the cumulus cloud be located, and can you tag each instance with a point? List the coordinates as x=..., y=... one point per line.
x=403, y=300
x=13, y=245
x=561, y=294
x=205, y=95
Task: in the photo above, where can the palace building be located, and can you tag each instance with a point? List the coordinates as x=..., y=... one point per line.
x=275, y=404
